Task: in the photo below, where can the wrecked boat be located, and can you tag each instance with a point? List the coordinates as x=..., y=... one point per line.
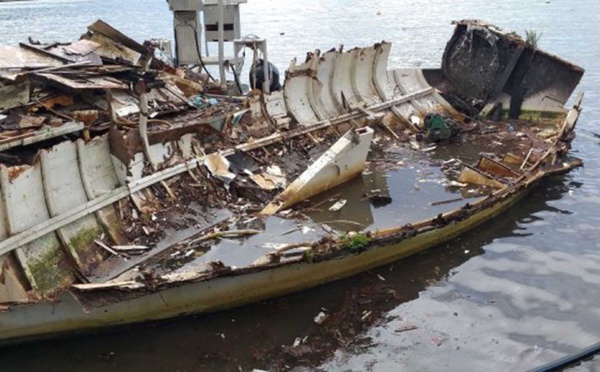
x=133, y=191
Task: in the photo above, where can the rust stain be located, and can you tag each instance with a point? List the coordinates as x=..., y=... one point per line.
x=62, y=100
x=88, y=117
x=16, y=171
x=119, y=146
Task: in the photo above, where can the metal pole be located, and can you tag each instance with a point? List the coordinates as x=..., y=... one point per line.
x=267, y=83
x=221, y=42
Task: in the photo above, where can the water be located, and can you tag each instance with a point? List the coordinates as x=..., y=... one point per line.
x=515, y=293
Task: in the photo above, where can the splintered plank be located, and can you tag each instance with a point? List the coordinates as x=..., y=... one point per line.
x=77, y=82
x=39, y=135
x=104, y=28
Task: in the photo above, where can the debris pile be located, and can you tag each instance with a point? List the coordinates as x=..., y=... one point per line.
x=88, y=86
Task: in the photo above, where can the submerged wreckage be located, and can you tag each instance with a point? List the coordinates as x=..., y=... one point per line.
x=131, y=193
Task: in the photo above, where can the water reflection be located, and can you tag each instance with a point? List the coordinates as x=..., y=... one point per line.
x=501, y=304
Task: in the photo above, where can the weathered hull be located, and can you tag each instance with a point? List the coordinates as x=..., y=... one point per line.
x=68, y=315
x=57, y=277
x=526, y=82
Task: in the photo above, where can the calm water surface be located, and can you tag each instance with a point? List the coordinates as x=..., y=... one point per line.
x=516, y=293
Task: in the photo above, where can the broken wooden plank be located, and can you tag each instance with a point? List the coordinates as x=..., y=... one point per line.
x=442, y=202
x=45, y=52
x=14, y=57
x=220, y=234
x=40, y=135
x=490, y=165
x=77, y=82
x=114, y=51
x=90, y=56
x=128, y=284
x=61, y=67
x=475, y=177
x=104, y=246
x=81, y=47
x=112, y=33
x=130, y=247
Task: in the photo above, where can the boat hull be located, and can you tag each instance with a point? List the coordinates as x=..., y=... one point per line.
x=66, y=314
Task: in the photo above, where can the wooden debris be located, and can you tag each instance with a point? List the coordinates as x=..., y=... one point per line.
x=27, y=122
x=129, y=284
x=434, y=204
x=338, y=205
x=320, y=318
x=106, y=247
x=14, y=95
x=472, y=176
x=130, y=247
x=222, y=234
x=406, y=329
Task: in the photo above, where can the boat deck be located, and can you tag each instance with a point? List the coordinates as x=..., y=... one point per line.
x=403, y=182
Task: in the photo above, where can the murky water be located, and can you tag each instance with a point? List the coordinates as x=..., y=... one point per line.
x=518, y=292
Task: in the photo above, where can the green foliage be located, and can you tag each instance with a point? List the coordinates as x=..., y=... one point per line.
x=532, y=37
x=355, y=242
x=309, y=256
